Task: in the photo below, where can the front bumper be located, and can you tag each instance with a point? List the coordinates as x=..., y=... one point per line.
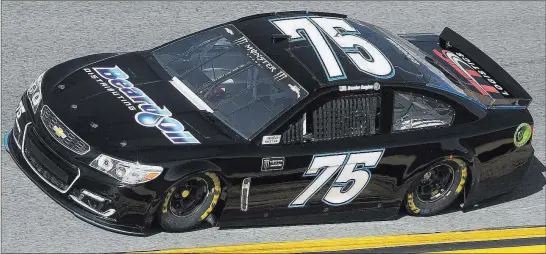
x=127, y=210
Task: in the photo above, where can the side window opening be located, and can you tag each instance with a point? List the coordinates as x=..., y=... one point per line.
x=413, y=111
x=336, y=118
x=345, y=117
x=296, y=131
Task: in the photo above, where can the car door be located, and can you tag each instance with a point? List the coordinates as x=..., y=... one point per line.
x=317, y=161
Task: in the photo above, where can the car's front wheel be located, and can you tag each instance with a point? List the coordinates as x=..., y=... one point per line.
x=438, y=187
x=189, y=202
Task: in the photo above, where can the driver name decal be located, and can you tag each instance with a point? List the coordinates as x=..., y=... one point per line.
x=150, y=115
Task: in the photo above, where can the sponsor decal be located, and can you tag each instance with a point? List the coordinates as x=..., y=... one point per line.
x=216, y=194
x=272, y=163
x=271, y=140
x=165, y=206
x=479, y=79
x=259, y=59
x=150, y=115
x=110, y=88
x=279, y=76
x=375, y=86
x=523, y=134
x=34, y=93
x=262, y=61
x=17, y=131
x=463, y=180
x=18, y=113
x=412, y=205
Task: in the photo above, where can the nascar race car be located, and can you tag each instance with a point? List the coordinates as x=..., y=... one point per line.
x=273, y=119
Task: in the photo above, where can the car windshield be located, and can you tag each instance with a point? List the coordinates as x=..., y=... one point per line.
x=237, y=81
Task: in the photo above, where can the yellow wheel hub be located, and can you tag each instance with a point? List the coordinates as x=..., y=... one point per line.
x=185, y=193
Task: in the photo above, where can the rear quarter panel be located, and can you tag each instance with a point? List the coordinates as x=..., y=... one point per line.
x=500, y=164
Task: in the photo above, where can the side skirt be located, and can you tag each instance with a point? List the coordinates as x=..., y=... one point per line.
x=321, y=218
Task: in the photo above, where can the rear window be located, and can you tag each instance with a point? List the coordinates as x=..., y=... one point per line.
x=414, y=111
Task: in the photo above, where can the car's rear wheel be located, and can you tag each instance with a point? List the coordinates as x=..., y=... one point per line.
x=189, y=202
x=437, y=188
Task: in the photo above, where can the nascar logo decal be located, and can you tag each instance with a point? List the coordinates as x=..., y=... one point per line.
x=150, y=115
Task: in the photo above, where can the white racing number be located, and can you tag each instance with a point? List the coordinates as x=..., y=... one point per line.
x=303, y=29
x=18, y=113
x=350, y=182
x=345, y=36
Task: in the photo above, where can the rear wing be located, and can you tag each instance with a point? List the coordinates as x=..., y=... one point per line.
x=506, y=91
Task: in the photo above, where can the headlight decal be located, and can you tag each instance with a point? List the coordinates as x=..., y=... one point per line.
x=124, y=171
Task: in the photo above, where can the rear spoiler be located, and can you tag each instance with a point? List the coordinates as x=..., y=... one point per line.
x=517, y=97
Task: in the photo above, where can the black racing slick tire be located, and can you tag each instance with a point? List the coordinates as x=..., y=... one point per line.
x=189, y=202
x=424, y=198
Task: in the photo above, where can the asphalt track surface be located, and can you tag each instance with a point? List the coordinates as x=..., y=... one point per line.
x=38, y=35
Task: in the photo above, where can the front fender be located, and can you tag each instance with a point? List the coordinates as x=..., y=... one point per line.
x=177, y=173
x=190, y=167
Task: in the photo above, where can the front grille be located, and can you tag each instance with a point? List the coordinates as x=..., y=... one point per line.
x=54, y=170
x=60, y=182
x=61, y=133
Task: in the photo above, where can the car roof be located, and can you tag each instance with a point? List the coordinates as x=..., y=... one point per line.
x=300, y=60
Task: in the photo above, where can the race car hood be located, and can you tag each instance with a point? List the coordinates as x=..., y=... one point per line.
x=119, y=101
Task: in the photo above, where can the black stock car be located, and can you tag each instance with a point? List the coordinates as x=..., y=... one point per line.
x=280, y=118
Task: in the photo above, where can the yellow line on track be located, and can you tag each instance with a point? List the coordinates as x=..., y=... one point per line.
x=517, y=249
x=370, y=242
